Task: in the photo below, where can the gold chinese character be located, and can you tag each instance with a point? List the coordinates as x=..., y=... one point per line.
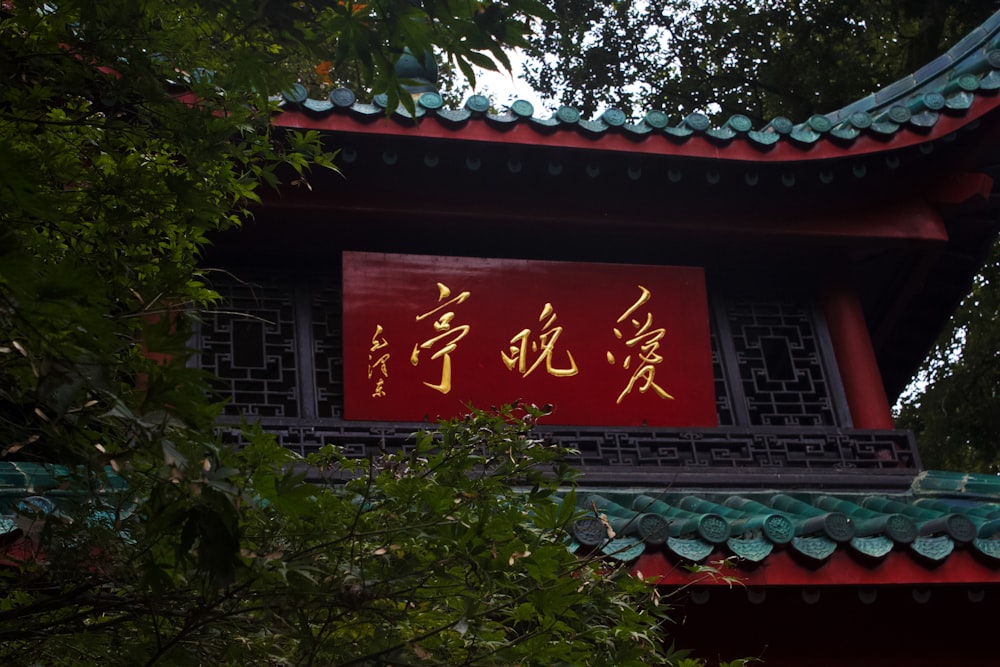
x=379, y=364
x=377, y=343
x=648, y=341
x=544, y=347
x=447, y=335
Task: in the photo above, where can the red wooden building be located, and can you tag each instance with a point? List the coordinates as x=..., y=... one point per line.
x=716, y=312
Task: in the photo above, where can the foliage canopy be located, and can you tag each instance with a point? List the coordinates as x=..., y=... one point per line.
x=421, y=557
x=759, y=58
x=954, y=406
x=129, y=132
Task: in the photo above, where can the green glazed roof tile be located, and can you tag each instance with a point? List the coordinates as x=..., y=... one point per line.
x=819, y=123
x=924, y=119
x=679, y=132
x=804, y=135
x=753, y=549
x=959, y=101
x=860, y=119
x=933, y=101
x=963, y=485
x=24, y=478
x=884, y=127
x=638, y=130
x=934, y=548
x=933, y=69
x=942, y=512
x=653, y=528
x=12, y=479
x=864, y=105
x=898, y=113
x=990, y=82
x=656, y=119
x=781, y=125
x=992, y=23
x=624, y=549
x=501, y=118
x=816, y=547
x=697, y=122
x=967, y=82
x=845, y=133
x=876, y=546
x=739, y=123
x=989, y=529
x=297, y=93
x=456, y=116
x=764, y=139
x=894, y=91
x=989, y=548
x=545, y=124
x=567, y=115
x=342, y=97
x=369, y=110
x=37, y=487
x=478, y=103
x=952, y=82
x=589, y=531
x=318, y=106
x=614, y=117
x=522, y=109
x=593, y=126
x=722, y=134
x=431, y=100
x=690, y=549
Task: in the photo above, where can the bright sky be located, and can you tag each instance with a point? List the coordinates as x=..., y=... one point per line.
x=503, y=89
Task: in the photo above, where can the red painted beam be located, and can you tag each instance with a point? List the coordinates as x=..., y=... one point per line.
x=899, y=220
x=856, y=361
x=843, y=568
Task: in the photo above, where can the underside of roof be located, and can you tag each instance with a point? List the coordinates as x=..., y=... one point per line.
x=895, y=191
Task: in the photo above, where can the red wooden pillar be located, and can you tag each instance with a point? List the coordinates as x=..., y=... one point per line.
x=856, y=359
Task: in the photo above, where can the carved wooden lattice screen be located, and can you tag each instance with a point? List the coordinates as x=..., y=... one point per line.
x=275, y=347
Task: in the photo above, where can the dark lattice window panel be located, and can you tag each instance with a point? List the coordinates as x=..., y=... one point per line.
x=277, y=348
x=328, y=350
x=723, y=401
x=737, y=448
x=248, y=345
x=615, y=456
x=780, y=363
x=355, y=440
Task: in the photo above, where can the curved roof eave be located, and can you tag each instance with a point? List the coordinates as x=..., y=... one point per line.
x=951, y=92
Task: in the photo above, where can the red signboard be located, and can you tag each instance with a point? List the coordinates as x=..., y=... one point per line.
x=604, y=344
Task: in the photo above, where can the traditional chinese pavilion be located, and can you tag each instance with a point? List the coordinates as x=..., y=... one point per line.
x=716, y=312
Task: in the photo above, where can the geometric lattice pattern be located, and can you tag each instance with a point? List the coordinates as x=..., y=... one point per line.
x=742, y=448
x=248, y=344
x=780, y=365
x=327, y=346
x=779, y=415
x=612, y=456
x=723, y=401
